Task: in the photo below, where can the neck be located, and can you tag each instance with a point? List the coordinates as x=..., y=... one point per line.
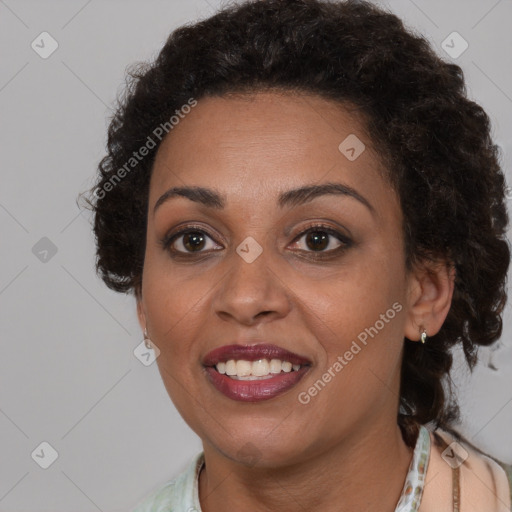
x=363, y=472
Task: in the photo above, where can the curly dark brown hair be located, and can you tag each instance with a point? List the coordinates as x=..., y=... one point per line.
x=434, y=141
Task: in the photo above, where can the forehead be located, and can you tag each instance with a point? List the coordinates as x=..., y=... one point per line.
x=257, y=145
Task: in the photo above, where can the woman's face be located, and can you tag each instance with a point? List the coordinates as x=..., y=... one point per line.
x=261, y=271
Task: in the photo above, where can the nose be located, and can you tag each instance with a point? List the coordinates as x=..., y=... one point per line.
x=252, y=292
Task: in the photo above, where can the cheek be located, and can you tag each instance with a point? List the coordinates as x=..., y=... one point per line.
x=172, y=304
x=357, y=315
x=346, y=304
x=171, y=297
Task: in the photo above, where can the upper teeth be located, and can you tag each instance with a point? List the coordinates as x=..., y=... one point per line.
x=259, y=368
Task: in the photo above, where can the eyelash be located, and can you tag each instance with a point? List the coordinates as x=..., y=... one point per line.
x=168, y=240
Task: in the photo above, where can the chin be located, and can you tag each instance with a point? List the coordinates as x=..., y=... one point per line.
x=261, y=452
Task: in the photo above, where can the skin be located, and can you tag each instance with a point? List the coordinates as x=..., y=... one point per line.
x=281, y=454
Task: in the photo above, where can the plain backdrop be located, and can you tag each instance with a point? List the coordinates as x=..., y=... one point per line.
x=68, y=373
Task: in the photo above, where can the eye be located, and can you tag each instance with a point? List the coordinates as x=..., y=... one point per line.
x=188, y=241
x=320, y=238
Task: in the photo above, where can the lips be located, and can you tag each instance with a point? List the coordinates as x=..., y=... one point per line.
x=264, y=388
x=252, y=353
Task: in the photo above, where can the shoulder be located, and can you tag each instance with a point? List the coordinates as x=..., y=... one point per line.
x=484, y=483
x=159, y=500
x=507, y=469
x=176, y=495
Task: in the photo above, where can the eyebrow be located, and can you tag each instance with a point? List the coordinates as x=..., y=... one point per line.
x=294, y=197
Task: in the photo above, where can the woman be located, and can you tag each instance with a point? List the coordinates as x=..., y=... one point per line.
x=310, y=213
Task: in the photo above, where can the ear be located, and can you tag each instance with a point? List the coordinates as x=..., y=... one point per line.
x=140, y=312
x=430, y=294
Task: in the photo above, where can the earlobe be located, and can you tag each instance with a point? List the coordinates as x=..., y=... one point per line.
x=430, y=296
x=140, y=313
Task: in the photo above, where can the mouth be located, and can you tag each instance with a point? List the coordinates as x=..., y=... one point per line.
x=254, y=372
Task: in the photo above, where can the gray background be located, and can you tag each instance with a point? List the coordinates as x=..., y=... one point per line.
x=68, y=373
